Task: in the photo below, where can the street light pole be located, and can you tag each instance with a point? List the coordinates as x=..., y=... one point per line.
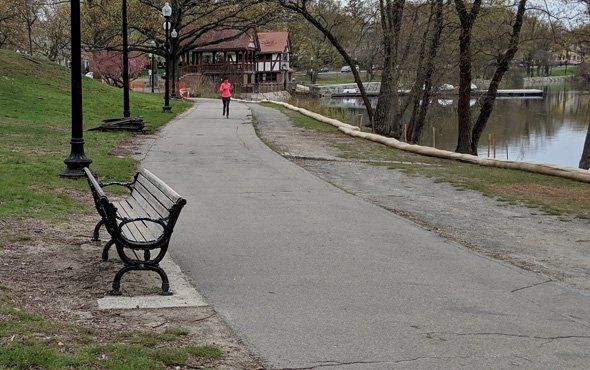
x=167, y=12
x=173, y=35
x=285, y=69
x=126, y=110
x=77, y=159
x=153, y=56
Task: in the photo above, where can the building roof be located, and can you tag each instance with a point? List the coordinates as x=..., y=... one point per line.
x=227, y=40
x=277, y=42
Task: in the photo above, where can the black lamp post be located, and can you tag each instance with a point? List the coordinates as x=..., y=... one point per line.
x=77, y=159
x=153, y=56
x=126, y=110
x=167, y=12
x=285, y=69
x=173, y=35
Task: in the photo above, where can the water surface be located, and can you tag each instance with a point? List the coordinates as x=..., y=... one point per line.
x=551, y=129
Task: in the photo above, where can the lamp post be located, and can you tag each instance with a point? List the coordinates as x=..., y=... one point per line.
x=153, y=56
x=167, y=12
x=173, y=35
x=285, y=69
x=77, y=159
x=126, y=110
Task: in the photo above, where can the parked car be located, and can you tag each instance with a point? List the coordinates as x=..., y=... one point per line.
x=347, y=69
x=324, y=69
x=446, y=87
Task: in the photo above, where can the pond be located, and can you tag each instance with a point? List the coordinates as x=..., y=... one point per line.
x=551, y=129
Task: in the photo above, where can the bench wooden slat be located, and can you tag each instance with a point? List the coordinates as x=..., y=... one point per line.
x=165, y=189
x=149, y=203
x=150, y=190
x=131, y=231
x=144, y=231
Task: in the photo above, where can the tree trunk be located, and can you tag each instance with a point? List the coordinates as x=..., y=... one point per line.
x=503, y=65
x=387, y=110
x=463, y=109
x=585, y=160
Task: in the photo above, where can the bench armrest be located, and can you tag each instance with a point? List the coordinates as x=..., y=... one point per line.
x=159, y=221
x=123, y=184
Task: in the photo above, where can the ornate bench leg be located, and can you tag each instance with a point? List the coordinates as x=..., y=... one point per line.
x=117, y=280
x=164, y=277
x=105, y=250
x=96, y=230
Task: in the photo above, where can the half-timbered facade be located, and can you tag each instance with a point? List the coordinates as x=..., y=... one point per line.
x=233, y=57
x=247, y=59
x=272, y=61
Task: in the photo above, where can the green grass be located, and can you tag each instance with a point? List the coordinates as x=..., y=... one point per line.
x=31, y=342
x=35, y=130
x=561, y=71
x=553, y=195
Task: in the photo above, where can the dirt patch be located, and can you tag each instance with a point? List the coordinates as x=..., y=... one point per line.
x=54, y=270
x=581, y=194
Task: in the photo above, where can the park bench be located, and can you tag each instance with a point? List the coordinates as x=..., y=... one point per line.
x=138, y=224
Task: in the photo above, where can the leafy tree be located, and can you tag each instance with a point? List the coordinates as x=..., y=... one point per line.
x=109, y=65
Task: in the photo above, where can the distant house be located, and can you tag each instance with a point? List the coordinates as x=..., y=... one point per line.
x=272, y=62
x=225, y=53
x=248, y=59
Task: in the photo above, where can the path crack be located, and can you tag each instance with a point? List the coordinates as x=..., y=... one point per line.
x=531, y=286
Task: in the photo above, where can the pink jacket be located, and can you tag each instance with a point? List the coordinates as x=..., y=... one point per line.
x=225, y=89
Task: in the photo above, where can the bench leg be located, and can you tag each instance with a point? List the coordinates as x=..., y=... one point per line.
x=96, y=230
x=105, y=250
x=117, y=280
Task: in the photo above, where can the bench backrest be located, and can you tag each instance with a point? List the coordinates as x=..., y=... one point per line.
x=153, y=195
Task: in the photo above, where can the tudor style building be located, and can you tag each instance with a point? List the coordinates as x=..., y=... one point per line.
x=248, y=59
x=272, y=62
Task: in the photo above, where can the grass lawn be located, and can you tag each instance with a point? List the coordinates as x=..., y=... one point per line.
x=35, y=131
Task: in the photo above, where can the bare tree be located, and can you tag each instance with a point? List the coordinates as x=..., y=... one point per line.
x=423, y=87
x=314, y=16
x=28, y=13
x=469, y=136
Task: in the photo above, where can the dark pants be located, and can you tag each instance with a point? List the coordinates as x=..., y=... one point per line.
x=226, y=106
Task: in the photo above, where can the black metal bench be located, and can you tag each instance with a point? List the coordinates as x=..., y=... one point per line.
x=141, y=222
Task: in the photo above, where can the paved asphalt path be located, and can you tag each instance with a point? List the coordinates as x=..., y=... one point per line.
x=311, y=277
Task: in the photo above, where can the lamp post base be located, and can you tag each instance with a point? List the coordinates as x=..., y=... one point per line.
x=76, y=161
x=75, y=167
x=167, y=109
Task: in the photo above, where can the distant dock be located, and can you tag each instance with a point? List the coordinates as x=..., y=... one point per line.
x=501, y=93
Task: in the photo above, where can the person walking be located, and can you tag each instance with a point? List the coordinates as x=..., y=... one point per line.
x=225, y=89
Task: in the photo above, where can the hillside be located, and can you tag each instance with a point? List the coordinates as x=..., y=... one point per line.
x=35, y=131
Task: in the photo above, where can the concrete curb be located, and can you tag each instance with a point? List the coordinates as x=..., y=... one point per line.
x=184, y=294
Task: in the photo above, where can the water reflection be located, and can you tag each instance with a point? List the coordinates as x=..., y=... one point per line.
x=551, y=129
